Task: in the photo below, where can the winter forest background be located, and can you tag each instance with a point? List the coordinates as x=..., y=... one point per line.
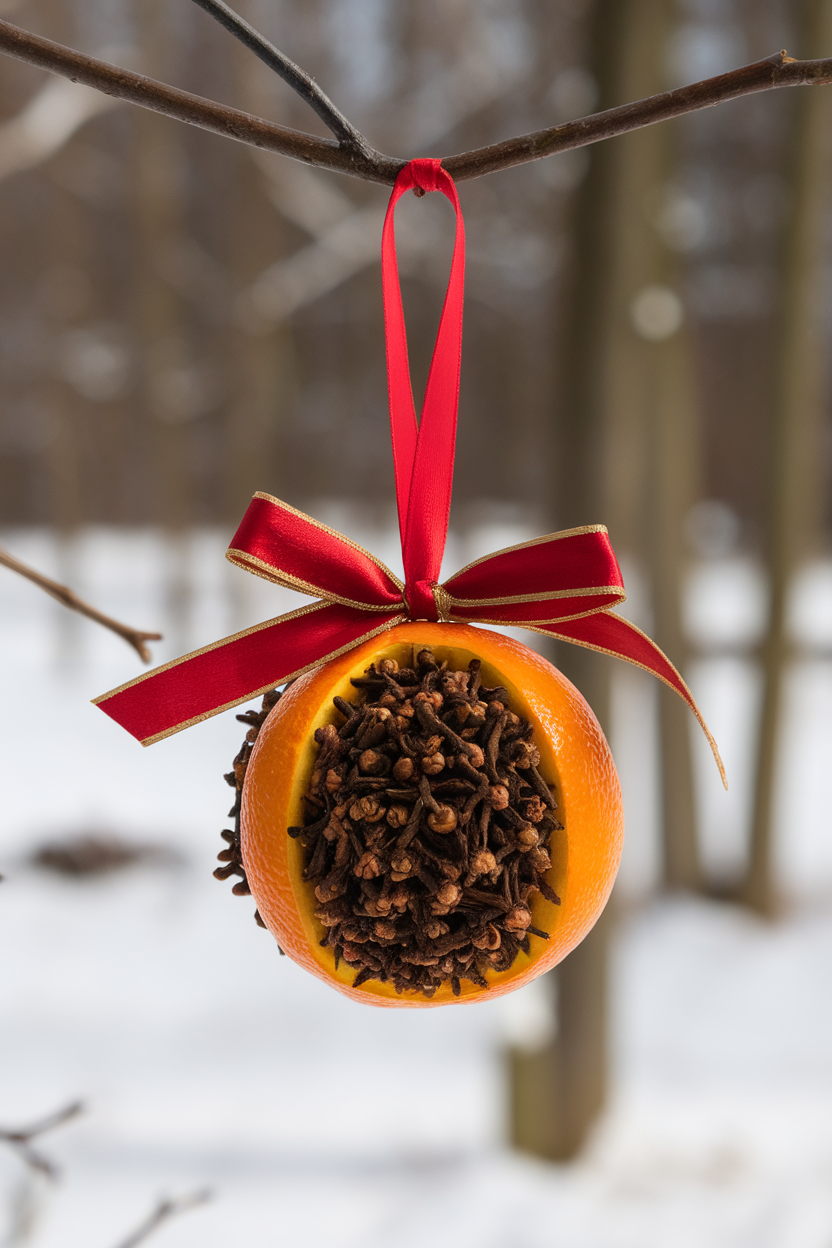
x=184, y=321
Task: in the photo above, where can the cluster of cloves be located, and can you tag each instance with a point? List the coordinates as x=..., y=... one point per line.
x=427, y=826
x=231, y=856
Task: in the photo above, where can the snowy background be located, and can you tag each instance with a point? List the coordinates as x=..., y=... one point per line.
x=206, y=1060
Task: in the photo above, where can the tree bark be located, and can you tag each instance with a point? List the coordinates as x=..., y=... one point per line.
x=794, y=443
x=558, y=1090
x=164, y=328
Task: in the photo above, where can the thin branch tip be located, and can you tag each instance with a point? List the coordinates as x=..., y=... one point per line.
x=20, y=1139
x=134, y=637
x=302, y=83
x=167, y=1208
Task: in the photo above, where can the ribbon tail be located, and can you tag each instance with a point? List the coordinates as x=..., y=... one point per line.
x=612, y=634
x=222, y=675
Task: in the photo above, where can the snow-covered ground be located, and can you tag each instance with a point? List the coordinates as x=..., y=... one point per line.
x=207, y=1060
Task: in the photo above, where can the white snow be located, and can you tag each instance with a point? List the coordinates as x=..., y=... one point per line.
x=206, y=1059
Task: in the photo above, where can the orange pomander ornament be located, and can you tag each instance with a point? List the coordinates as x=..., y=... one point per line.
x=418, y=950
x=430, y=812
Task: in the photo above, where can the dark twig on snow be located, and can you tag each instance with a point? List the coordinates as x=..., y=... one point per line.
x=20, y=1140
x=297, y=78
x=133, y=636
x=776, y=71
x=164, y=1211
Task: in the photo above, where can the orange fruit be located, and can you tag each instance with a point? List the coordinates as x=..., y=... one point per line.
x=574, y=758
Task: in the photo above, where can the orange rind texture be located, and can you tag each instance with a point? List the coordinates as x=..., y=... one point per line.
x=575, y=758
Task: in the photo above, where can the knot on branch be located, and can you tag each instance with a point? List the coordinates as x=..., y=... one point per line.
x=425, y=175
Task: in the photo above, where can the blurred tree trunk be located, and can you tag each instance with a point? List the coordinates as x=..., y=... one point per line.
x=65, y=297
x=794, y=441
x=672, y=460
x=607, y=422
x=261, y=354
x=558, y=1089
x=651, y=456
x=67, y=266
x=258, y=348
x=262, y=363
x=161, y=317
x=632, y=453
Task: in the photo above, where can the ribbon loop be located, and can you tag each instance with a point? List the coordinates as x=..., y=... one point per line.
x=546, y=566
x=423, y=456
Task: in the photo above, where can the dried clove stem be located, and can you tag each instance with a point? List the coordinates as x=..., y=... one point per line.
x=231, y=856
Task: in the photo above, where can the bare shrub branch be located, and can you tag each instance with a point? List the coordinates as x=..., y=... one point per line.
x=20, y=1140
x=297, y=78
x=164, y=1211
x=232, y=123
x=133, y=636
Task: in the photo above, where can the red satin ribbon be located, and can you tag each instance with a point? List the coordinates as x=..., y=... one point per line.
x=423, y=455
x=561, y=585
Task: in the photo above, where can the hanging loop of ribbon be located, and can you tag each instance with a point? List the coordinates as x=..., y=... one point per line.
x=562, y=585
x=423, y=456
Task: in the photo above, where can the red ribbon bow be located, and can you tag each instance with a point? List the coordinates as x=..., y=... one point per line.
x=561, y=585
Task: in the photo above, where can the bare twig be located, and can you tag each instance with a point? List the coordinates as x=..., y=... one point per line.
x=779, y=70
x=164, y=1211
x=123, y=84
x=21, y=1139
x=297, y=78
x=776, y=71
x=133, y=636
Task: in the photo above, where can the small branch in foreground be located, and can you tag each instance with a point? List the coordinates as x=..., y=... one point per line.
x=297, y=78
x=232, y=123
x=21, y=1139
x=776, y=71
x=133, y=636
x=164, y=1211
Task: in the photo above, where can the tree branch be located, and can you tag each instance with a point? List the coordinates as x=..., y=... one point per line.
x=232, y=123
x=164, y=1211
x=297, y=78
x=133, y=636
x=776, y=71
x=21, y=1139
